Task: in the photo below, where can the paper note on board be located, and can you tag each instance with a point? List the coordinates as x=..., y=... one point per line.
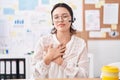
x=97, y=5
x=102, y=2
x=91, y=1
x=114, y=26
x=92, y=20
x=95, y=34
x=105, y=29
x=110, y=13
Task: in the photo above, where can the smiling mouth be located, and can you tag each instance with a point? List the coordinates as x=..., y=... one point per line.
x=61, y=25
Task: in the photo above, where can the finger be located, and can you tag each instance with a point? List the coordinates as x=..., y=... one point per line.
x=61, y=55
x=62, y=47
x=62, y=50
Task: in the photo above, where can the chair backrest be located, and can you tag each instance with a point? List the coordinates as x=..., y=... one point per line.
x=12, y=68
x=91, y=65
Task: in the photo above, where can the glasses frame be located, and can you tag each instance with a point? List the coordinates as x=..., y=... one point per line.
x=64, y=17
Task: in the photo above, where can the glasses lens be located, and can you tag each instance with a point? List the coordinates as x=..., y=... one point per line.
x=59, y=18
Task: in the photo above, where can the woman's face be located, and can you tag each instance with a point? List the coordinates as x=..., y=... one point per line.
x=61, y=19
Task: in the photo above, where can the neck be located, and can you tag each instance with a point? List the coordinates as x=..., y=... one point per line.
x=63, y=38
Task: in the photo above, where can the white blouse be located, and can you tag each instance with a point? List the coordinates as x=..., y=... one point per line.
x=75, y=64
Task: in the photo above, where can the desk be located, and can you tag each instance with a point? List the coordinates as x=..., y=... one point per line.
x=64, y=79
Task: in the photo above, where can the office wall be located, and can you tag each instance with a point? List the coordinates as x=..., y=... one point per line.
x=22, y=22
x=104, y=52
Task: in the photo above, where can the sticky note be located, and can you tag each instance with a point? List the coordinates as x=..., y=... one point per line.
x=4, y=52
x=104, y=34
x=98, y=5
x=114, y=26
x=102, y=2
x=10, y=18
x=15, y=7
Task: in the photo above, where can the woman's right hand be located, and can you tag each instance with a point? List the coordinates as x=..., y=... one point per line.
x=54, y=53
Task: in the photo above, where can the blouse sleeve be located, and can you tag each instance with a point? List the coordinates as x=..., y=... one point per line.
x=40, y=69
x=79, y=69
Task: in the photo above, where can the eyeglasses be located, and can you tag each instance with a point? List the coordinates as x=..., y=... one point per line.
x=61, y=18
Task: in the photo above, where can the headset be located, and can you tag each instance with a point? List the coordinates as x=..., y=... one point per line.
x=72, y=20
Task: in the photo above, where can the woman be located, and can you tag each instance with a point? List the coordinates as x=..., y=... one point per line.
x=61, y=54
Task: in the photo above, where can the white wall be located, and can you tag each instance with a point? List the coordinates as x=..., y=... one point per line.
x=105, y=52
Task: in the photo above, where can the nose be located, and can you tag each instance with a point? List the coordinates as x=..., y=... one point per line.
x=61, y=18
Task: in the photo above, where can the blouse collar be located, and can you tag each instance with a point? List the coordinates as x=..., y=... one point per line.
x=56, y=40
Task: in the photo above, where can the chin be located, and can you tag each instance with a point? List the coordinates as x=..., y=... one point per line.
x=62, y=30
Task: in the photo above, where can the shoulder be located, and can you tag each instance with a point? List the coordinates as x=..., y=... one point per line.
x=79, y=40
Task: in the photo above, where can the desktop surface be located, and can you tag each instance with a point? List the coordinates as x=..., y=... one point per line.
x=62, y=79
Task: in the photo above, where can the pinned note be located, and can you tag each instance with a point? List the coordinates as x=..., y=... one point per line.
x=10, y=18
x=91, y=1
x=114, y=26
x=103, y=34
x=102, y=2
x=110, y=13
x=97, y=34
x=15, y=7
x=98, y=5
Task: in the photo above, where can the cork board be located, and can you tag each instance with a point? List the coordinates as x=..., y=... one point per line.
x=85, y=34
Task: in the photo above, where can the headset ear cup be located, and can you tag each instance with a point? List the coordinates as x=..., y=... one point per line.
x=52, y=23
x=74, y=19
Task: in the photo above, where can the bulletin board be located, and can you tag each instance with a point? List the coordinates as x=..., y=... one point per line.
x=114, y=34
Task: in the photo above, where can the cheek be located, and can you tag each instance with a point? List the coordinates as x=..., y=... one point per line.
x=68, y=25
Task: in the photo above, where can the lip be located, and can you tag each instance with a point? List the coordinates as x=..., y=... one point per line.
x=61, y=24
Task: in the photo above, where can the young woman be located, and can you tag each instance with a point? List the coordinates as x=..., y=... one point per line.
x=61, y=54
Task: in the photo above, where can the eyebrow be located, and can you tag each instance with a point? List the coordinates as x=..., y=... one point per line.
x=62, y=14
